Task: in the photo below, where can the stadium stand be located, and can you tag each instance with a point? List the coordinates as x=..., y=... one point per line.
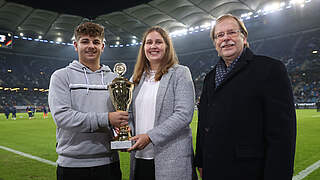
x=29, y=65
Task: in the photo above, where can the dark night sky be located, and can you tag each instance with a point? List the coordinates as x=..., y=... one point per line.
x=85, y=8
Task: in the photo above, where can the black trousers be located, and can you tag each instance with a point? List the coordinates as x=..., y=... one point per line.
x=144, y=169
x=105, y=172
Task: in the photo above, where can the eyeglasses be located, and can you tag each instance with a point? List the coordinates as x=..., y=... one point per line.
x=231, y=33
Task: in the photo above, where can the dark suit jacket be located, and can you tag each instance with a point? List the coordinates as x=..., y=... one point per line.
x=247, y=125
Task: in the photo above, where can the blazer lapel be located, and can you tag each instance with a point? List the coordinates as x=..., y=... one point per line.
x=163, y=86
x=135, y=94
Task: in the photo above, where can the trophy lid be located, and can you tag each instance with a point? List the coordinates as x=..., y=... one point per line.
x=120, y=69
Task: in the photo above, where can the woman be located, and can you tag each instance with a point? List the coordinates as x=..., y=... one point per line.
x=163, y=102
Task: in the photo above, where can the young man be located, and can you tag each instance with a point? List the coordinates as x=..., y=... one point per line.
x=82, y=110
x=247, y=121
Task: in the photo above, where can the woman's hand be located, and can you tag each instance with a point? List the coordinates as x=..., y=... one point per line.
x=142, y=140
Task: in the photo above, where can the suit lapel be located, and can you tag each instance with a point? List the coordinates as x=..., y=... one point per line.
x=163, y=86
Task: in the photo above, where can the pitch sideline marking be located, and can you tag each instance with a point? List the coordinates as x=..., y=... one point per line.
x=29, y=156
x=304, y=173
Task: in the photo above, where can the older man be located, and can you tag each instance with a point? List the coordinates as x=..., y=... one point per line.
x=247, y=121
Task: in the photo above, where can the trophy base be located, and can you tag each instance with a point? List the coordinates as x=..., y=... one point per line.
x=121, y=145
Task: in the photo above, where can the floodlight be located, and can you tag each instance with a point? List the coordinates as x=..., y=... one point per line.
x=297, y=2
x=272, y=7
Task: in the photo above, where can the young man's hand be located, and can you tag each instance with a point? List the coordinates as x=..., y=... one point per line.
x=118, y=118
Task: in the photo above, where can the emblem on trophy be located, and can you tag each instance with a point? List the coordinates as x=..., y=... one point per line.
x=121, y=96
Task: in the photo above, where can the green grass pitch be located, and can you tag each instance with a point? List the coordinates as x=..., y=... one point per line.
x=37, y=137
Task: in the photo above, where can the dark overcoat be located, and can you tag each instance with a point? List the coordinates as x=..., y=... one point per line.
x=247, y=125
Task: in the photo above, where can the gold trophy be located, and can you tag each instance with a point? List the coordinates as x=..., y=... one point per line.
x=121, y=96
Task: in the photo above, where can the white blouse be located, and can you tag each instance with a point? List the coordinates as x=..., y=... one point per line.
x=145, y=105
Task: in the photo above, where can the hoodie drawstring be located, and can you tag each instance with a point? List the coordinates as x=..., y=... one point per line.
x=87, y=80
x=102, y=78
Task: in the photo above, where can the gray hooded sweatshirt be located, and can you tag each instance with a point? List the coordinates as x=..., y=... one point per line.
x=79, y=102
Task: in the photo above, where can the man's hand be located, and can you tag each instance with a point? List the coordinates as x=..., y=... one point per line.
x=118, y=118
x=142, y=140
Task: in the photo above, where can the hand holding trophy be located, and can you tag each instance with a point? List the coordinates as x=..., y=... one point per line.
x=121, y=96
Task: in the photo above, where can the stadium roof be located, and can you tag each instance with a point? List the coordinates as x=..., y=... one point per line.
x=123, y=20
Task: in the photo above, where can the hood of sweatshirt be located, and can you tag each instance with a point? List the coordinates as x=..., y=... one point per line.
x=77, y=66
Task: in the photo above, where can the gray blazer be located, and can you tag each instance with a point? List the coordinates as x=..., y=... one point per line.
x=171, y=136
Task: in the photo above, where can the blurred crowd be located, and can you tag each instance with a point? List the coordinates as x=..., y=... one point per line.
x=299, y=52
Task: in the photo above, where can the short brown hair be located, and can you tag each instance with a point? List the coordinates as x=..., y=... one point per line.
x=170, y=58
x=243, y=28
x=89, y=28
